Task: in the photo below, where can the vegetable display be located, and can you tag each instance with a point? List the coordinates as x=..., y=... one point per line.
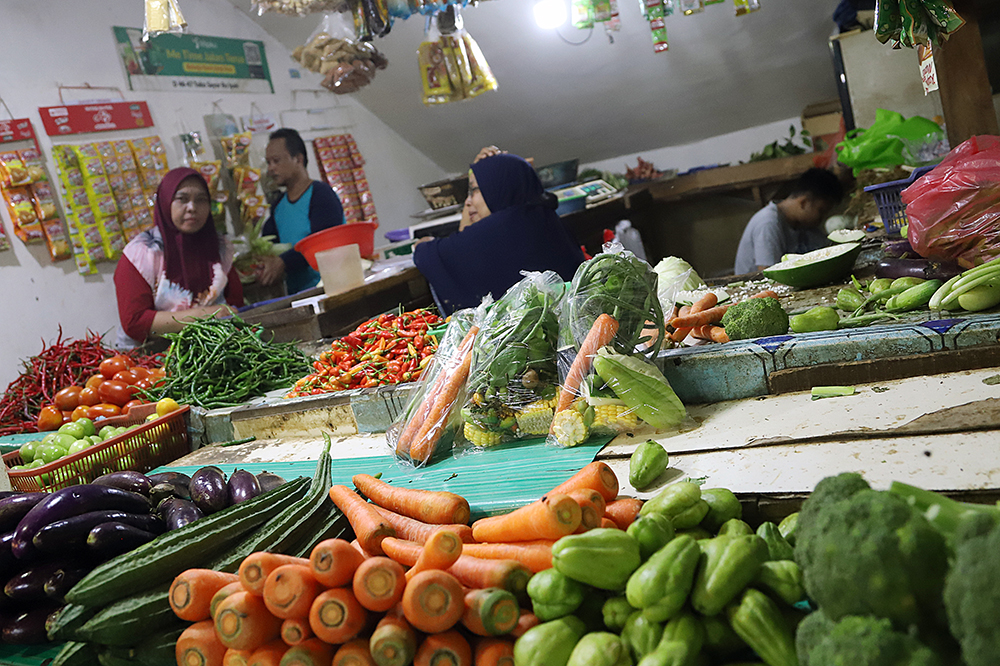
x=388, y=349
x=224, y=362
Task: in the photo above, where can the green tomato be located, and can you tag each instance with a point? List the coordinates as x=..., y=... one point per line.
x=78, y=445
x=18, y=468
x=88, y=426
x=37, y=462
x=74, y=429
x=27, y=451
x=107, y=432
x=48, y=453
x=95, y=439
x=49, y=437
x=63, y=440
x=121, y=430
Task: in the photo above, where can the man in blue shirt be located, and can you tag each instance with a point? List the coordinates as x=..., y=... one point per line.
x=306, y=206
x=792, y=225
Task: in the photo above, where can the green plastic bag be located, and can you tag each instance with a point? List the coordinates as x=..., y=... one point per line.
x=892, y=140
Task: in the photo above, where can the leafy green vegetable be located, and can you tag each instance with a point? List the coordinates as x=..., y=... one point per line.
x=789, y=147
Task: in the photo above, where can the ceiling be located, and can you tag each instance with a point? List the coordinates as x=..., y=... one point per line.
x=600, y=100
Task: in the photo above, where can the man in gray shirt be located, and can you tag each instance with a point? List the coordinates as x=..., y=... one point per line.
x=792, y=225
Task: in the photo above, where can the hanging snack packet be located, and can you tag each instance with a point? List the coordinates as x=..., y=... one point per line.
x=237, y=149
x=916, y=24
x=162, y=16
x=943, y=15
x=689, y=7
x=45, y=201
x=33, y=163
x=13, y=172
x=513, y=375
x=581, y=14
x=56, y=240
x=435, y=84
x=746, y=6
x=4, y=243
x=20, y=206
x=428, y=426
x=658, y=31
x=481, y=76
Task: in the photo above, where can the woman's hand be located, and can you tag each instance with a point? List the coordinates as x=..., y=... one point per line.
x=488, y=151
x=173, y=322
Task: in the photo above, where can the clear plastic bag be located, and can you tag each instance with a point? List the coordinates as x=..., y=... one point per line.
x=162, y=16
x=335, y=51
x=428, y=426
x=954, y=210
x=513, y=378
x=299, y=7
x=452, y=66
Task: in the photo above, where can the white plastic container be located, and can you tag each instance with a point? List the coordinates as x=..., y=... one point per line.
x=341, y=269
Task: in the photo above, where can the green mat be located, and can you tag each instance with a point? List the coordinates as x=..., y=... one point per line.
x=494, y=481
x=28, y=655
x=10, y=443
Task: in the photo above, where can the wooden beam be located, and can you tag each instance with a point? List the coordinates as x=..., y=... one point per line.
x=966, y=97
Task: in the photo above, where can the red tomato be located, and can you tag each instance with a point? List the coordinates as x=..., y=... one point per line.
x=94, y=381
x=50, y=418
x=68, y=399
x=143, y=383
x=130, y=404
x=115, y=392
x=67, y=417
x=80, y=412
x=157, y=373
x=103, y=410
x=126, y=376
x=140, y=373
x=112, y=366
x=90, y=396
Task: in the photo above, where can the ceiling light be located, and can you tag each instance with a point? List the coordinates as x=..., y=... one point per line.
x=550, y=14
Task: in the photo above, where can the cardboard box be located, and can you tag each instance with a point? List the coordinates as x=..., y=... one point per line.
x=828, y=123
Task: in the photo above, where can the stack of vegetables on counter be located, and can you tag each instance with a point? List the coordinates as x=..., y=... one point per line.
x=52, y=541
x=388, y=349
x=120, y=612
x=224, y=362
x=51, y=385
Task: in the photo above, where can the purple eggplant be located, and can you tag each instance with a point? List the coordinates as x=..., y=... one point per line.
x=177, y=513
x=169, y=477
x=243, y=486
x=28, y=628
x=62, y=581
x=134, y=482
x=70, y=534
x=8, y=493
x=165, y=489
x=109, y=540
x=209, y=490
x=918, y=268
x=15, y=507
x=7, y=559
x=29, y=584
x=899, y=247
x=269, y=481
x=69, y=502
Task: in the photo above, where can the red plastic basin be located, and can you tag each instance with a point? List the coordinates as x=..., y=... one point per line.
x=361, y=234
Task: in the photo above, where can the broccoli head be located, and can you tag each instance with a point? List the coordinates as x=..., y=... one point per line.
x=755, y=318
x=866, y=641
x=972, y=593
x=811, y=631
x=865, y=552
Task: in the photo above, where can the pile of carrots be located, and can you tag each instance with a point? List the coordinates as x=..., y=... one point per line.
x=418, y=585
x=701, y=319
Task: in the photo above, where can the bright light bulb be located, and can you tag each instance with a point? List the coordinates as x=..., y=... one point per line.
x=550, y=14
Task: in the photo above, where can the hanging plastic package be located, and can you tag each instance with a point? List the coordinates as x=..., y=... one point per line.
x=888, y=22
x=689, y=7
x=299, y=7
x=335, y=51
x=581, y=14
x=954, y=211
x=744, y=7
x=162, y=16
x=434, y=82
x=452, y=66
x=377, y=19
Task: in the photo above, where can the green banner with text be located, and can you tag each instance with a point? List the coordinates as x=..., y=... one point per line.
x=193, y=62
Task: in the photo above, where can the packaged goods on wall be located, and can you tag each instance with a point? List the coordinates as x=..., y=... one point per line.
x=340, y=164
x=31, y=203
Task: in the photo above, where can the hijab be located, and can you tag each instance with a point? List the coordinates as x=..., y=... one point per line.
x=522, y=233
x=187, y=258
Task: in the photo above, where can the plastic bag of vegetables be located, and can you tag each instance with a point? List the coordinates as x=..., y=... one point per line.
x=427, y=427
x=513, y=376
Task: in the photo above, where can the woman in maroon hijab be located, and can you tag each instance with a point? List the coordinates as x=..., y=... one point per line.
x=177, y=271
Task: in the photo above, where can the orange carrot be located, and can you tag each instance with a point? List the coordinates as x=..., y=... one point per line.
x=243, y=622
x=364, y=553
x=607, y=523
x=717, y=334
x=312, y=652
x=336, y=616
x=490, y=612
x=223, y=592
x=623, y=511
x=448, y=648
x=525, y=622
x=414, y=530
x=707, y=301
x=439, y=552
x=536, y=557
x=378, y=583
x=710, y=316
x=256, y=567
x=393, y=643
x=289, y=591
x=416, y=422
x=268, y=655
x=236, y=657
x=334, y=562
x=591, y=508
x=590, y=496
x=199, y=646
x=680, y=333
x=596, y=475
x=353, y=653
x=472, y=572
x=552, y=517
x=294, y=630
x=493, y=651
x=601, y=333
x=192, y=591
x=425, y=442
x=433, y=601
x=767, y=293
x=367, y=523
x=428, y=506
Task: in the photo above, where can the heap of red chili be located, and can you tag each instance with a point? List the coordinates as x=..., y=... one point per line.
x=63, y=363
x=388, y=349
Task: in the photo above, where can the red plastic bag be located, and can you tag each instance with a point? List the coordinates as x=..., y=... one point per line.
x=954, y=211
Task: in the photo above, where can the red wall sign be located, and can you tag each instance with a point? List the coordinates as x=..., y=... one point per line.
x=18, y=129
x=100, y=117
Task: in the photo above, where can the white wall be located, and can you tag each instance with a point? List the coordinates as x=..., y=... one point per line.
x=69, y=42
x=727, y=148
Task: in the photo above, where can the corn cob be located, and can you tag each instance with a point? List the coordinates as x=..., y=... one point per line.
x=569, y=428
x=480, y=437
x=615, y=417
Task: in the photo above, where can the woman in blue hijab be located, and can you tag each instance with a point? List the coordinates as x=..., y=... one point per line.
x=512, y=227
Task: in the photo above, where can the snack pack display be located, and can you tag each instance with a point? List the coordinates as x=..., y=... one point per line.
x=452, y=66
x=334, y=50
x=236, y=148
x=340, y=163
x=31, y=202
x=911, y=22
